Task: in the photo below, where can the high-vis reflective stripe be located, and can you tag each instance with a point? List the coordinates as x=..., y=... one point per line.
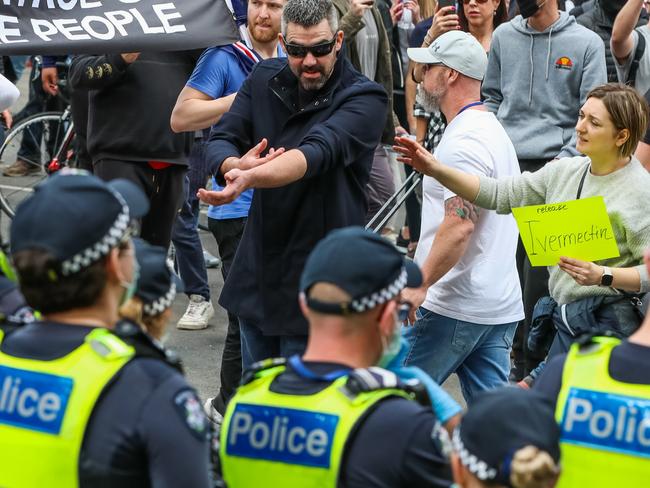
x=605, y=423
x=45, y=406
x=6, y=268
x=273, y=439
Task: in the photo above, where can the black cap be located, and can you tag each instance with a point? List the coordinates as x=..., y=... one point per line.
x=498, y=424
x=77, y=218
x=364, y=265
x=157, y=283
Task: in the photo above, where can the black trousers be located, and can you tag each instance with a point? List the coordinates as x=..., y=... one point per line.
x=163, y=187
x=228, y=233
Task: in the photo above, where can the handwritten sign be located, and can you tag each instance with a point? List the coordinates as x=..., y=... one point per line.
x=578, y=229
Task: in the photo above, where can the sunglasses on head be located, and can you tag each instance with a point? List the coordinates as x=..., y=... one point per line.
x=317, y=50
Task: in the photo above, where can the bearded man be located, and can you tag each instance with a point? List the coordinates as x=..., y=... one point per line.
x=321, y=120
x=470, y=299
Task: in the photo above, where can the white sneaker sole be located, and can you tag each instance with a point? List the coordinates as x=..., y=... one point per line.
x=193, y=325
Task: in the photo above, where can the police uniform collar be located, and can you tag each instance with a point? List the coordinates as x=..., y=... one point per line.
x=146, y=346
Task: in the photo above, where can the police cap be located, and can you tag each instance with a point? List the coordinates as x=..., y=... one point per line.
x=498, y=424
x=363, y=264
x=77, y=218
x=157, y=283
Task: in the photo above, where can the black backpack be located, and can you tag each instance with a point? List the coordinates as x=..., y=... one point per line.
x=638, y=54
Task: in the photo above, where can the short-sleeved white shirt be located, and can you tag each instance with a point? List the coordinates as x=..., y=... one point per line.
x=483, y=287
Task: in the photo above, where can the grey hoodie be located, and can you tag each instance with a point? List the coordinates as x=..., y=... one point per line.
x=537, y=81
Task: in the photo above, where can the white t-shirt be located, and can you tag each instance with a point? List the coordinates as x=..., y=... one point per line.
x=483, y=287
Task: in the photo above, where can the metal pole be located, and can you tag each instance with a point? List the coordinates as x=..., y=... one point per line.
x=390, y=201
x=416, y=177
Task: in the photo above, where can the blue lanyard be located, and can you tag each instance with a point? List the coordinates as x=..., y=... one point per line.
x=299, y=367
x=473, y=104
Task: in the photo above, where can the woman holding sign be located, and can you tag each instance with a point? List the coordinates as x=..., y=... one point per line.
x=610, y=125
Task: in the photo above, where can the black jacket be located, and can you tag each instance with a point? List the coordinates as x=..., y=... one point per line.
x=337, y=132
x=130, y=105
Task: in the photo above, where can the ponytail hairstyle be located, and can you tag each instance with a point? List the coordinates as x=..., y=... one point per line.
x=154, y=325
x=132, y=311
x=533, y=468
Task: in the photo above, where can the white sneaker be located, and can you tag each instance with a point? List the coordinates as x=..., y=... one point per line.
x=198, y=313
x=213, y=416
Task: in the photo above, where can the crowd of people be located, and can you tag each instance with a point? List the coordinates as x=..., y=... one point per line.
x=338, y=338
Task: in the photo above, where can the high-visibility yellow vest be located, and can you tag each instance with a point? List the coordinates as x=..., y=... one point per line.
x=45, y=406
x=605, y=423
x=274, y=439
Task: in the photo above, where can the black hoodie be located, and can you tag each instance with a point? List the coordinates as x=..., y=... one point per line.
x=130, y=105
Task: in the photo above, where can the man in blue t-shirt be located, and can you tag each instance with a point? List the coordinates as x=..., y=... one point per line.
x=207, y=95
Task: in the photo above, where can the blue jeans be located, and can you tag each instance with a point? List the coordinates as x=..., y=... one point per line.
x=255, y=346
x=189, y=252
x=478, y=354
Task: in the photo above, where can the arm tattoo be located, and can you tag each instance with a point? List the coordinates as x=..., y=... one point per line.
x=462, y=208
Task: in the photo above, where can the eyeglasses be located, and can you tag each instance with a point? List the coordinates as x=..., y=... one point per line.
x=318, y=50
x=427, y=67
x=467, y=2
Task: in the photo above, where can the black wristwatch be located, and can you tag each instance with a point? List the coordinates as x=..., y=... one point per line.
x=608, y=278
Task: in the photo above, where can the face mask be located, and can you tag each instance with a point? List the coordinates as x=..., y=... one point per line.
x=392, y=348
x=129, y=288
x=612, y=7
x=528, y=8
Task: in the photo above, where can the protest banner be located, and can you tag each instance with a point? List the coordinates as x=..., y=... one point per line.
x=113, y=26
x=578, y=229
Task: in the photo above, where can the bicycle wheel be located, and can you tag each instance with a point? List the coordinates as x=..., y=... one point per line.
x=31, y=144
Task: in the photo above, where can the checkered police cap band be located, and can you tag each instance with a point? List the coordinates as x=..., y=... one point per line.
x=161, y=304
x=478, y=468
x=382, y=296
x=102, y=247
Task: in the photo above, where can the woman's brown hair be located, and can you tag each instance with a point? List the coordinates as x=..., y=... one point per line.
x=627, y=109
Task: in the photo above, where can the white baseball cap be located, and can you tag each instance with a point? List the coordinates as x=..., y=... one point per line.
x=457, y=50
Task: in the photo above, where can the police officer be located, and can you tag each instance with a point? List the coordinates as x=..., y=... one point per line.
x=602, y=394
x=330, y=418
x=14, y=310
x=150, y=307
x=78, y=405
x=507, y=438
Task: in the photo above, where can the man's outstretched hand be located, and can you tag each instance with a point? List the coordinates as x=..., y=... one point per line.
x=237, y=181
x=254, y=158
x=239, y=175
x=415, y=155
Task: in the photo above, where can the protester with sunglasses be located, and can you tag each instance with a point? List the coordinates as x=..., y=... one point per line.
x=322, y=120
x=466, y=311
x=338, y=417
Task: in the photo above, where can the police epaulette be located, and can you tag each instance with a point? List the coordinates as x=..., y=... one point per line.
x=144, y=345
x=586, y=340
x=251, y=373
x=363, y=380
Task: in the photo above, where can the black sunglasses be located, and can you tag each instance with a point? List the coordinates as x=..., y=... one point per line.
x=318, y=50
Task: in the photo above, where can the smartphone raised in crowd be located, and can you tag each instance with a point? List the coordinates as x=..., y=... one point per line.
x=446, y=3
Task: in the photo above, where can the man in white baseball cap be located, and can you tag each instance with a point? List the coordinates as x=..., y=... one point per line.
x=457, y=50
x=465, y=313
